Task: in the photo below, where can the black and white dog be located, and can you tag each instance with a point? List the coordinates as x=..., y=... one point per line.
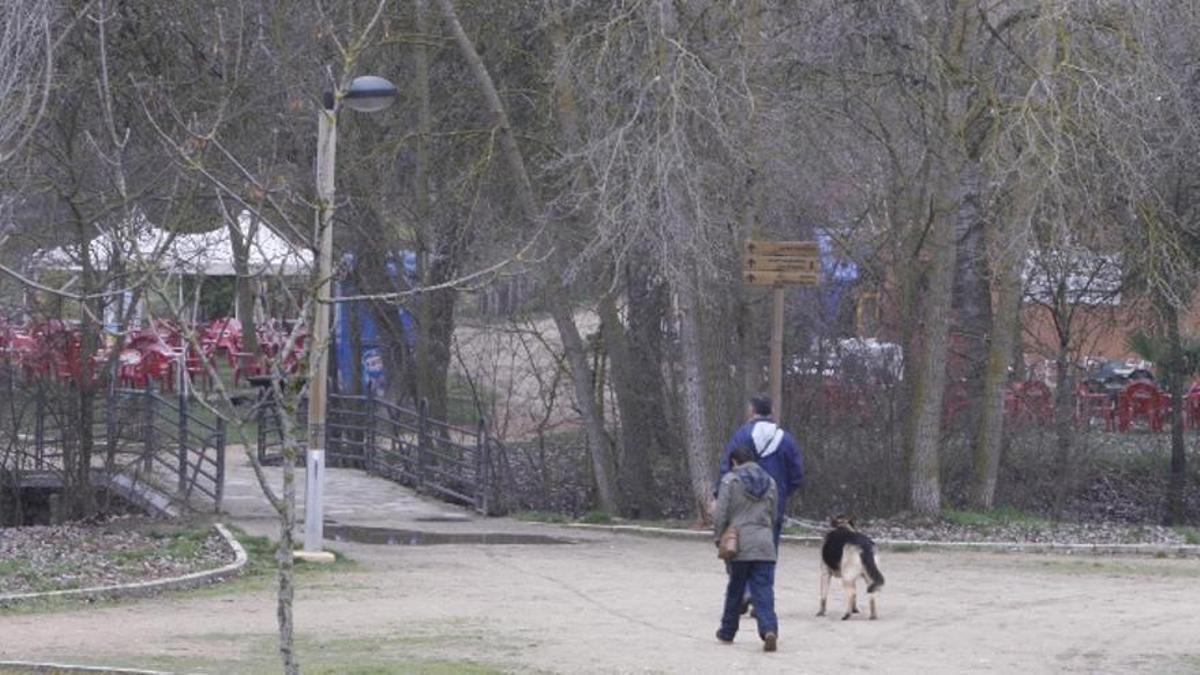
x=848, y=555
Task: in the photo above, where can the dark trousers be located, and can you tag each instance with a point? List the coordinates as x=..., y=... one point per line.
x=776, y=533
x=759, y=576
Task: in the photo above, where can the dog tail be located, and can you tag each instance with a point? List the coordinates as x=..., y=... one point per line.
x=868, y=558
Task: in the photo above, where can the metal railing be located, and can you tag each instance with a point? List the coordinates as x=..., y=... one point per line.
x=135, y=433
x=398, y=443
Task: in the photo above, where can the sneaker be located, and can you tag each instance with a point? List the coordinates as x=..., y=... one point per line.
x=724, y=640
x=769, y=641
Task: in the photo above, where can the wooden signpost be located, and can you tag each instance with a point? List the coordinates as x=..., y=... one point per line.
x=778, y=264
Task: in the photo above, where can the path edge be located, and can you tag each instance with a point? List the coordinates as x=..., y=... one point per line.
x=913, y=545
x=40, y=667
x=141, y=588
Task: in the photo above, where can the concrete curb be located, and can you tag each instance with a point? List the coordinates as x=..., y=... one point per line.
x=146, y=587
x=35, y=667
x=1171, y=550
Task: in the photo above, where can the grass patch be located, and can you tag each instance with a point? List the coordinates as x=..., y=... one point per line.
x=38, y=579
x=438, y=667
x=423, y=652
x=260, y=556
x=1191, y=535
x=596, y=518
x=1150, y=567
x=1005, y=515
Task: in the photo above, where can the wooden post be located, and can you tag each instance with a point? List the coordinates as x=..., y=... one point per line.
x=778, y=264
x=777, y=353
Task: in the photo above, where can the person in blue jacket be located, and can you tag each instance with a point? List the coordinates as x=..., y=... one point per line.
x=777, y=452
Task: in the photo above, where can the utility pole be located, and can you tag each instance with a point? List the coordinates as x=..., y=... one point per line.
x=366, y=94
x=318, y=356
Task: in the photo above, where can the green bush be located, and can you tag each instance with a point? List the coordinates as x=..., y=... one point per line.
x=596, y=518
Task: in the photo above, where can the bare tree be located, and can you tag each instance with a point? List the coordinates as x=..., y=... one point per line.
x=27, y=45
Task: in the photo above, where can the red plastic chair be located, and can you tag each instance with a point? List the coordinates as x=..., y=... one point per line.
x=1140, y=401
x=129, y=369
x=1191, y=407
x=1090, y=405
x=1034, y=402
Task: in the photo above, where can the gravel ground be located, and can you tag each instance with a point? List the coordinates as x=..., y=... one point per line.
x=624, y=604
x=47, y=558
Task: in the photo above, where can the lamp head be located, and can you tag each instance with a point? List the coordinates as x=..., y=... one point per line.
x=369, y=93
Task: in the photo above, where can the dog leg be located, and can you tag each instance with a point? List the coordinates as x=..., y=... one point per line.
x=873, y=614
x=851, y=598
x=825, y=578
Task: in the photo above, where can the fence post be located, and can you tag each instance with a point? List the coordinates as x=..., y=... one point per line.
x=260, y=416
x=369, y=439
x=148, y=428
x=39, y=428
x=110, y=417
x=220, y=490
x=183, y=449
x=482, y=469
x=422, y=441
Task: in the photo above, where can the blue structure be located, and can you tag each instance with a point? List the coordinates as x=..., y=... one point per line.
x=356, y=314
x=838, y=275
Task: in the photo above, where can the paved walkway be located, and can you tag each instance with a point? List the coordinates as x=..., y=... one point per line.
x=354, y=498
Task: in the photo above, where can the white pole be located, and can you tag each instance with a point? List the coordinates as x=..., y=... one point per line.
x=318, y=361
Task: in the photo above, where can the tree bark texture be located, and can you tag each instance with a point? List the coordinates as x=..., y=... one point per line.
x=558, y=303
x=634, y=465
x=1176, y=510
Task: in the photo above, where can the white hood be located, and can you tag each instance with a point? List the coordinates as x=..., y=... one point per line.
x=767, y=436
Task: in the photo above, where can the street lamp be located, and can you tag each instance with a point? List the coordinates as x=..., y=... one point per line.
x=365, y=94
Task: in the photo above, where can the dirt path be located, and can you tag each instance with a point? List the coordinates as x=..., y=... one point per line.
x=628, y=604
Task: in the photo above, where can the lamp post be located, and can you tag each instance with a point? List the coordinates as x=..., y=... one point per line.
x=365, y=94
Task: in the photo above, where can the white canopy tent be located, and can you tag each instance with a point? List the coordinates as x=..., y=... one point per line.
x=204, y=253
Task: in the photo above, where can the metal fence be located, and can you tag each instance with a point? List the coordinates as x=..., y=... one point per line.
x=138, y=434
x=398, y=443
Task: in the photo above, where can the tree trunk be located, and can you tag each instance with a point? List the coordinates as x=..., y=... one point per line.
x=750, y=322
x=558, y=304
x=648, y=308
x=244, y=282
x=1011, y=246
x=989, y=441
x=1175, y=507
x=1064, y=399
x=973, y=318
x=699, y=445
x=933, y=340
x=285, y=562
x=634, y=472
x=435, y=311
x=80, y=500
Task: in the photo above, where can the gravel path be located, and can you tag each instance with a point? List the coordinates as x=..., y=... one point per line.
x=623, y=604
